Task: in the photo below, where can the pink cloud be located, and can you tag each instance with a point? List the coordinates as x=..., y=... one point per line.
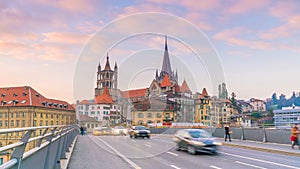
x=65, y=37
x=283, y=9
x=244, y=6
x=288, y=29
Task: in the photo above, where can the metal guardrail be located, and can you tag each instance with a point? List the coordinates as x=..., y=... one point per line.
x=48, y=148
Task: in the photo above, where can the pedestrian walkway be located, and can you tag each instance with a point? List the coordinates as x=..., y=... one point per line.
x=267, y=147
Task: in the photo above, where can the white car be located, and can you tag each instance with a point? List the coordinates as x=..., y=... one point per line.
x=119, y=130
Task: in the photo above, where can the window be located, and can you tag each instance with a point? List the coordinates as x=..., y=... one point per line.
x=23, y=123
x=158, y=115
x=34, y=114
x=92, y=112
x=51, y=116
x=18, y=114
x=88, y=125
x=41, y=122
x=46, y=123
x=12, y=123
x=34, y=123
x=98, y=112
x=12, y=114
x=0, y=123
x=41, y=115
x=140, y=115
x=51, y=123
x=23, y=114
x=1, y=115
x=17, y=123
x=140, y=107
x=149, y=115
x=6, y=114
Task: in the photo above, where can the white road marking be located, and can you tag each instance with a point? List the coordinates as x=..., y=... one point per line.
x=148, y=145
x=212, y=166
x=133, y=140
x=251, y=165
x=175, y=167
x=263, y=161
x=120, y=155
x=172, y=153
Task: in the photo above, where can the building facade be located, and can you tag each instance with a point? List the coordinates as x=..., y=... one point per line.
x=25, y=107
x=287, y=116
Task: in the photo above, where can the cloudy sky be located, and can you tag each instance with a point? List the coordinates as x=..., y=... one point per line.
x=256, y=41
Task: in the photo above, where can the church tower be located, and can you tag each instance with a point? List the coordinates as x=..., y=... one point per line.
x=166, y=68
x=107, y=78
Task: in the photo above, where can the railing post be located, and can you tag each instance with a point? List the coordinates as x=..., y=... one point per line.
x=242, y=136
x=19, y=151
x=49, y=139
x=59, y=150
x=41, y=139
x=265, y=135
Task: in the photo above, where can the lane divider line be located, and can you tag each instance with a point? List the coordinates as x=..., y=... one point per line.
x=148, y=145
x=120, y=155
x=172, y=153
x=251, y=165
x=212, y=166
x=263, y=161
x=173, y=166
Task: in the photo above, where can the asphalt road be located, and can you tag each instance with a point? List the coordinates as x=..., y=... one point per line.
x=158, y=152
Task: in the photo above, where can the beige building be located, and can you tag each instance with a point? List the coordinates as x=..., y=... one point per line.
x=203, y=108
x=25, y=107
x=153, y=111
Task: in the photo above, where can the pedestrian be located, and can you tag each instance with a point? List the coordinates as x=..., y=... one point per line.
x=81, y=131
x=294, y=136
x=227, y=133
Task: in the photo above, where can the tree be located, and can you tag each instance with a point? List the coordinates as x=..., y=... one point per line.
x=233, y=100
x=274, y=98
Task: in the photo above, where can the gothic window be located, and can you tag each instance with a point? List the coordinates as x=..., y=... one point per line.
x=107, y=75
x=106, y=83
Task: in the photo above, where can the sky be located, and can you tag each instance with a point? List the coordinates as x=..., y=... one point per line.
x=253, y=45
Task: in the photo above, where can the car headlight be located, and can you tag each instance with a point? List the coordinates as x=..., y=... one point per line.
x=135, y=132
x=217, y=143
x=197, y=143
x=148, y=131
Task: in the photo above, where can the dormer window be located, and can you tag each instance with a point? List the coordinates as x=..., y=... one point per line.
x=9, y=102
x=44, y=103
x=37, y=95
x=16, y=102
x=24, y=94
x=3, y=103
x=3, y=95
x=15, y=94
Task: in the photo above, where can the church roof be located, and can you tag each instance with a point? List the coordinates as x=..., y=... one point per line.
x=107, y=65
x=134, y=93
x=185, y=87
x=166, y=67
x=204, y=92
x=104, y=98
x=166, y=81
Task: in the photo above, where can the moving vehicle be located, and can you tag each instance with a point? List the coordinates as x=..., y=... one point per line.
x=139, y=131
x=119, y=130
x=99, y=131
x=196, y=140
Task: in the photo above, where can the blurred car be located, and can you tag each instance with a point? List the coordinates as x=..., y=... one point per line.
x=196, y=140
x=139, y=131
x=119, y=130
x=99, y=131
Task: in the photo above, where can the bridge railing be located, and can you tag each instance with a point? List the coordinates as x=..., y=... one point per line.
x=45, y=150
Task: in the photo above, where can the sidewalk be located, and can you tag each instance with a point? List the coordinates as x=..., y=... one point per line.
x=260, y=146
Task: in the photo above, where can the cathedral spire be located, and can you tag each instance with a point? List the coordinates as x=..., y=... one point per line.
x=166, y=67
x=107, y=65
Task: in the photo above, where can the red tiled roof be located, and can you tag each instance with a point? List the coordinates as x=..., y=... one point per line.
x=134, y=93
x=27, y=96
x=104, y=98
x=204, y=92
x=166, y=81
x=177, y=89
x=185, y=87
x=87, y=102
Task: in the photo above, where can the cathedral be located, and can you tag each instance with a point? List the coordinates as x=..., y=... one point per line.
x=107, y=78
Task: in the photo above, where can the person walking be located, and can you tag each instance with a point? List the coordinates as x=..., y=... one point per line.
x=294, y=136
x=81, y=130
x=227, y=133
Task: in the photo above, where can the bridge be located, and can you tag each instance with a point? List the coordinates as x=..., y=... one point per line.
x=62, y=147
